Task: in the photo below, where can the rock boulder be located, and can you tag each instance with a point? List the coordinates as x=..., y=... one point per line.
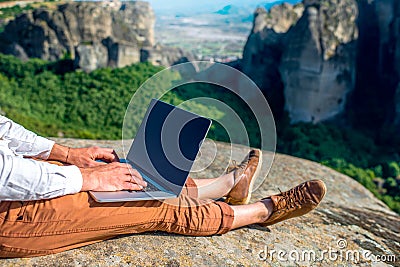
x=264, y=47
x=93, y=34
x=318, y=62
x=349, y=221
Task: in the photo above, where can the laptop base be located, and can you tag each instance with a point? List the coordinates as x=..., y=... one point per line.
x=123, y=196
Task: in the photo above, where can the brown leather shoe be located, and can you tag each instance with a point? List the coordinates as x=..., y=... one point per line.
x=296, y=202
x=244, y=176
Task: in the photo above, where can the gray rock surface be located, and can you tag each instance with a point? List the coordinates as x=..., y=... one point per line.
x=264, y=47
x=159, y=55
x=304, y=57
x=94, y=35
x=340, y=60
x=320, y=57
x=395, y=33
x=378, y=63
x=349, y=217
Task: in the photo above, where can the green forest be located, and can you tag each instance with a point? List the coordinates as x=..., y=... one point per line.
x=53, y=100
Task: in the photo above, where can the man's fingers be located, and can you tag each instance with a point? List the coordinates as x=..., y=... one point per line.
x=132, y=171
x=139, y=181
x=116, y=158
x=96, y=163
x=131, y=174
x=131, y=186
x=107, y=155
x=135, y=173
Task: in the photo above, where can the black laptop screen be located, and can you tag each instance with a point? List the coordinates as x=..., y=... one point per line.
x=167, y=142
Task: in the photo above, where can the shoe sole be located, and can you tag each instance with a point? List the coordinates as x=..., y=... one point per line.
x=253, y=178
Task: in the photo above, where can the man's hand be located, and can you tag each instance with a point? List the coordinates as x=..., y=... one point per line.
x=86, y=157
x=83, y=157
x=111, y=177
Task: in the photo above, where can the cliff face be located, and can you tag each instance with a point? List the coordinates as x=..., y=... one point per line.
x=394, y=59
x=377, y=62
x=317, y=66
x=339, y=56
x=94, y=35
x=396, y=33
x=263, y=50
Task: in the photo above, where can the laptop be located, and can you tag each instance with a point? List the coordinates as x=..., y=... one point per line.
x=163, y=152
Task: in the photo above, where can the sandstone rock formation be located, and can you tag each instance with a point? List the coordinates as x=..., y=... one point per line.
x=318, y=63
x=389, y=53
x=349, y=220
x=165, y=56
x=339, y=60
x=396, y=33
x=263, y=50
x=377, y=63
x=93, y=34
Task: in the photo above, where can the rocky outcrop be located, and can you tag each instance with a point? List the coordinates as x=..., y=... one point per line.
x=394, y=48
x=263, y=50
x=93, y=34
x=318, y=63
x=279, y=18
x=340, y=60
x=377, y=65
x=159, y=55
x=303, y=57
x=350, y=221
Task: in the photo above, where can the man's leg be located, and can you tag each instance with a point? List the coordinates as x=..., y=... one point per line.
x=214, y=188
x=36, y=228
x=237, y=184
x=42, y=227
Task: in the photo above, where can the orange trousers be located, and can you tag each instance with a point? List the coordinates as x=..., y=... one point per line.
x=35, y=228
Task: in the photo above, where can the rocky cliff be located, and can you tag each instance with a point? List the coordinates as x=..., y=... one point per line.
x=93, y=34
x=319, y=55
x=396, y=36
x=377, y=62
x=349, y=222
x=336, y=57
x=263, y=50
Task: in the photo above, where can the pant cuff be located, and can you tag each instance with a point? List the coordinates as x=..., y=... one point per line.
x=227, y=217
x=191, y=188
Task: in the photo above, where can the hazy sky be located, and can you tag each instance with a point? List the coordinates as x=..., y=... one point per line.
x=200, y=5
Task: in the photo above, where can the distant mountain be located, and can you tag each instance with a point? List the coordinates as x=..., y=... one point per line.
x=268, y=5
x=229, y=10
x=244, y=12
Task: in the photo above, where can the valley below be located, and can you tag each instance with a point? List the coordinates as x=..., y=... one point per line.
x=207, y=36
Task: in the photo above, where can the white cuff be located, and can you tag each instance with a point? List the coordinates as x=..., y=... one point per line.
x=74, y=181
x=43, y=146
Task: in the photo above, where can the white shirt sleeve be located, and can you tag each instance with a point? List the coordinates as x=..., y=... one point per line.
x=27, y=179
x=23, y=142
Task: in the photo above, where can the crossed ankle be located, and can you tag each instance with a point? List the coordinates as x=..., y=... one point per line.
x=229, y=183
x=266, y=209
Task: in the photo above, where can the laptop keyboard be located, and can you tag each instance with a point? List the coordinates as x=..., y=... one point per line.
x=150, y=188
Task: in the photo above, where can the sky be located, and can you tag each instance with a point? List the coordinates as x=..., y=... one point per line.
x=200, y=5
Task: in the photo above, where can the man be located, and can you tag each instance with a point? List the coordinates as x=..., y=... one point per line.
x=45, y=208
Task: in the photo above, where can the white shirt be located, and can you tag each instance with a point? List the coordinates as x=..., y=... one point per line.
x=27, y=179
